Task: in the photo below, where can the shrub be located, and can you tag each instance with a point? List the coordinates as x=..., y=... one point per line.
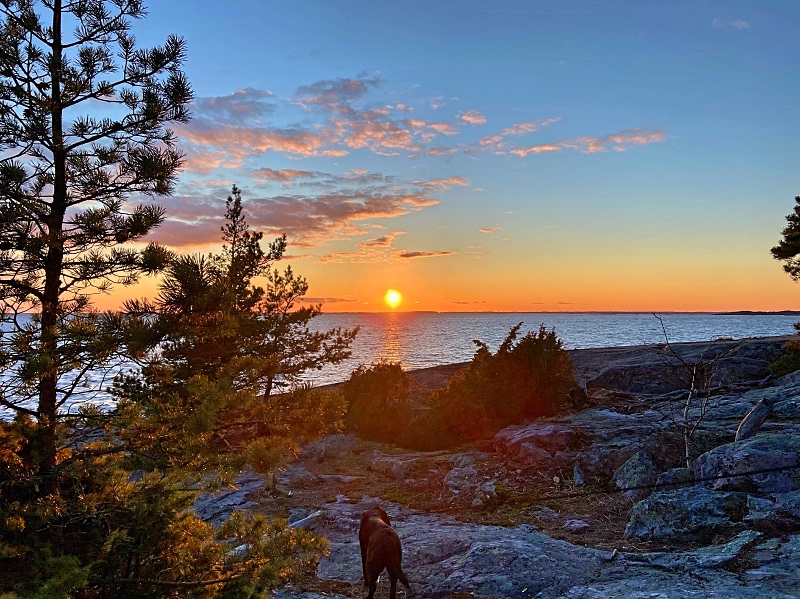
x=385, y=404
x=789, y=360
x=377, y=401
x=525, y=379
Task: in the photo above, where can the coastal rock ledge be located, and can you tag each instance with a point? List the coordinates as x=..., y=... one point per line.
x=728, y=527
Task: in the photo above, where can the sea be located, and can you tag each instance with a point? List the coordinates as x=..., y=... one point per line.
x=425, y=339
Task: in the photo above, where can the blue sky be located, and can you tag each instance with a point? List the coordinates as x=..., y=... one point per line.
x=571, y=155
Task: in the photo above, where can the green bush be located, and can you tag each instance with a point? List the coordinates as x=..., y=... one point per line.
x=377, y=398
x=789, y=360
x=524, y=379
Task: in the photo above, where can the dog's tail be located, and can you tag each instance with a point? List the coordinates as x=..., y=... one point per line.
x=401, y=576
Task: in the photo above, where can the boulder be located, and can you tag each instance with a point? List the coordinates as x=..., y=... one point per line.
x=331, y=445
x=461, y=479
x=691, y=515
x=298, y=477
x=576, y=525
x=602, y=461
x=394, y=466
x=550, y=437
x=530, y=455
x=766, y=463
x=778, y=516
x=636, y=477
x=674, y=478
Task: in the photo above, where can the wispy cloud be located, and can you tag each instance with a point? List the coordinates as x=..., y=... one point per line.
x=384, y=241
x=498, y=142
x=732, y=24
x=341, y=117
x=528, y=127
x=443, y=184
x=242, y=106
x=490, y=230
x=408, y=254
x=619, y=142
x=286, y=175
x=326, y=207
x=327, y=300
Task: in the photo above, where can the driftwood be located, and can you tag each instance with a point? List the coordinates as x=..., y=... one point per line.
x=751, y=423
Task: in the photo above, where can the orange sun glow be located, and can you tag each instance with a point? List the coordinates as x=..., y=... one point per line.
x=392, y=298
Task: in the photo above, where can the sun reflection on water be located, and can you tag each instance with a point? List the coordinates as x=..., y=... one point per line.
x=392, y=347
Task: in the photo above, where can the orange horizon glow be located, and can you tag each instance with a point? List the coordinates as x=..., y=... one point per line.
x=555, y=285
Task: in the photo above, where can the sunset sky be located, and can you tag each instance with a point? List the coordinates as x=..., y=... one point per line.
x=569, y=155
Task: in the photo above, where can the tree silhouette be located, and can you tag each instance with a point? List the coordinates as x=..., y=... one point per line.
x=67, y=180
x=788, y=248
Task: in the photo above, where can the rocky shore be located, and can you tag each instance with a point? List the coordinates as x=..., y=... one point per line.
x=598, y=502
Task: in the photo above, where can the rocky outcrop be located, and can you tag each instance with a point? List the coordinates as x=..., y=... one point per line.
x=550, y=437
x=217, y=507
x=745, y=524
x=766, y=463
x=653, y=369
x=443, y=556
x=689, y=515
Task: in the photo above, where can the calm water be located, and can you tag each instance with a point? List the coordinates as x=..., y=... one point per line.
x=420, y=340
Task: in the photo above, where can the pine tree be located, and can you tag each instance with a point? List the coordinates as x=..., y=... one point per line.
x=218, y=345
x=66, y=179
x=789, y=247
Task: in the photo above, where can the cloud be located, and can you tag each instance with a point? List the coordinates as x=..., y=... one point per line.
x=473, y=117
x=407, y=254
x=232, y=131
x=528, y=127
x=444, y=128
x=443, y=184
x=732, y=24
x=325, y=207
x=384, y=241
x=498, y=142
x=326, y=300
x=232, y=144
x=489, y=230
x=619, y=142
x=285, y=175
x=297, y=256
x=335, y=94
x=243, y=105
x=464, y=303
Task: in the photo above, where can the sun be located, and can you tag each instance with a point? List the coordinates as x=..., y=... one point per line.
x=392, y=298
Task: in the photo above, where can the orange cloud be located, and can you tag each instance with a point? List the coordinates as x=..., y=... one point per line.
x=619, y=142
x=529, y=127
x=473, y=117
x=233, y=144
x=384, y=241
x=443, y=184
x=444, y=128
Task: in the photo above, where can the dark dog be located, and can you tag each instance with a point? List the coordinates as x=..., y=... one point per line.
x=380, y=548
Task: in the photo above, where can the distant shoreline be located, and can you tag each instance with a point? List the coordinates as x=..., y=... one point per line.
x=700, y=312
x=759, y=313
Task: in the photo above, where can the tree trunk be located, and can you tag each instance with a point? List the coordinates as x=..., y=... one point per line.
x=53, y=263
